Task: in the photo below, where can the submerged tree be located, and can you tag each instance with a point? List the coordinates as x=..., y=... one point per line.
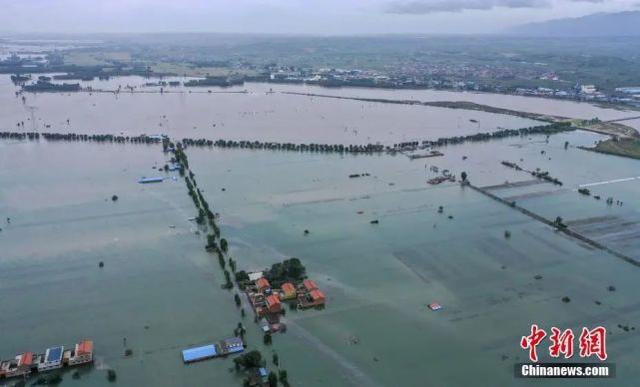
x=251, y=359
x=273, y=379
x=267, y=339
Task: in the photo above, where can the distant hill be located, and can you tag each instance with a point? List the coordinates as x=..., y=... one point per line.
x=596, y=25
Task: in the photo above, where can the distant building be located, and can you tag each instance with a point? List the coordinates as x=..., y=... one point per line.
x=82, y=353
x=263, y=284
x=232, y=345
x=588, y=89
x=18, y=366
x=273, y=304
x=199, y=353
x=52, y=359
x=317, y=297
x=255, y=276
x=309, y=285
x=288, y=291
x=629, y=90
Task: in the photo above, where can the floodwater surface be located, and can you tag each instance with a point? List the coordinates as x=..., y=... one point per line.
x=161, y=291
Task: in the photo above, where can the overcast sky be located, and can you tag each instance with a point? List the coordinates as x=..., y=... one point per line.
x=325, y=17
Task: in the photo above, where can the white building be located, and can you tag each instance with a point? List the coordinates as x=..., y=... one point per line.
x=52, y=359
x=82, y=353
x=588, y=89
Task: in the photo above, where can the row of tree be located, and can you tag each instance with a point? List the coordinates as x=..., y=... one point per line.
x=287, y=146
x=219, y=246
x=76, y=137
x=544, y=175
x=548, y=129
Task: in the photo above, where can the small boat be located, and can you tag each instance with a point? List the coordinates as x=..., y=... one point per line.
x=434, y=306
x=147, y=180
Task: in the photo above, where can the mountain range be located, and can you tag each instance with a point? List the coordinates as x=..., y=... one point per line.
x=595, y=25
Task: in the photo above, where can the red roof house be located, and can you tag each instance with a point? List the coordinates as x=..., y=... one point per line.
x=309, y=285
x=263, y=284
x=273, y=304
x=318, y=297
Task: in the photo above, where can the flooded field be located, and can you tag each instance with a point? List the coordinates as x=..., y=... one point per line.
x=158, y=288
x=379, y=278
x=161, y=291
x=255, y=115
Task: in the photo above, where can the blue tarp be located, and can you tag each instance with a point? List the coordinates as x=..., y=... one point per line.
x=199, y=353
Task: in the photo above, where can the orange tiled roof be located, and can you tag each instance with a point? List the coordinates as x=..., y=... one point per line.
x=273, y=300
x=288, y=287
x=309, y=284
x=26, y=358
x=85, y=347
x=262, y=283
x=317, y=295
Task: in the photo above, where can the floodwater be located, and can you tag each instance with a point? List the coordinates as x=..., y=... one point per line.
x=379, y=278
x=254, y=115
x=161, y=291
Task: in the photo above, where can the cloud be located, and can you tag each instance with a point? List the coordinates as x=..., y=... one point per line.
x=421, y=7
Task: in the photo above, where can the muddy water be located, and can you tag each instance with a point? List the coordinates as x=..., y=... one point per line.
x=161, y=291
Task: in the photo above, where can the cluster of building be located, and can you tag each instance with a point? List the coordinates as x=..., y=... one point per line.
x=624, y=95
x=267, y=302
x=413, y=74
x=210, y=351
x=54, y=358
x=450, y=76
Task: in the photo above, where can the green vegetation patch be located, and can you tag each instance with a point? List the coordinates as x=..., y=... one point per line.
x=628, y=147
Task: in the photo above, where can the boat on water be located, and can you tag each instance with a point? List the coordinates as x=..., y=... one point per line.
x=433, y=153
x=441, y=179
x=147, y=180
x=53, y=358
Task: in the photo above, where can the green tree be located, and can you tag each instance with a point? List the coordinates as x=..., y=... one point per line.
x=211, y=242
x=283, y=377
x=242, y=276
x=267, y=339
x=273, y=379
x=251, y=359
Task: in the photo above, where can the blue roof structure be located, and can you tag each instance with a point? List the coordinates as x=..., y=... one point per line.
x=54, y=354
x=263, y=372
x=199, y=353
